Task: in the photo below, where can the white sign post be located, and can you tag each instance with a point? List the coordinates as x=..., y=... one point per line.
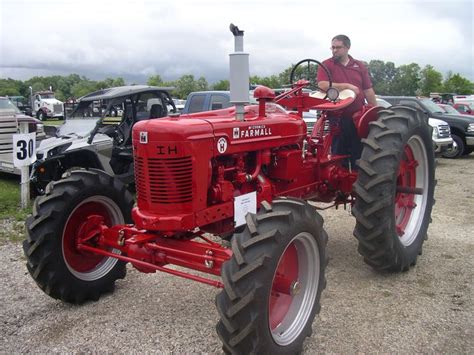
x=24, y=154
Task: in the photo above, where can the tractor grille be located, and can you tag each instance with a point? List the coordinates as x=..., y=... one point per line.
x=57, y=108
x=443, y=131
x=164, y=181
x=140, y=181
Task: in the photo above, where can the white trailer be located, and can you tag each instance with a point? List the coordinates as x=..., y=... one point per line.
x=10, y=119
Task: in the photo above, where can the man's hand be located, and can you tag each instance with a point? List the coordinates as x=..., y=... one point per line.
x=353, y=88
x=324, y=85
x=370, y=96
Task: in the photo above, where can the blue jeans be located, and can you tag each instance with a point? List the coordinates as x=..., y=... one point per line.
x=347, y=142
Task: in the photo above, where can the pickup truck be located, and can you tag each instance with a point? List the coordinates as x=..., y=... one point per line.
x=200, y=101
x=442, y=140
x=462, y=126
x=464, y=108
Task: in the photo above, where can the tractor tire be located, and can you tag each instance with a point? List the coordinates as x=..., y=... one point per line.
x=391, y=222
x=262, y=313
x=457, y=150
x=58, y=267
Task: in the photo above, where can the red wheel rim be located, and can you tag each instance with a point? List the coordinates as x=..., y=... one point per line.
x=286, y=277
x=74, y=231
x=405, y=202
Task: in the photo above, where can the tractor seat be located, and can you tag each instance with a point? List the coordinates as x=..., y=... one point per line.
x=156, y=111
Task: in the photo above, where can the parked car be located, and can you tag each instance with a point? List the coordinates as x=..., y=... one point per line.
x=465, y=100
x=442, y=140
x=461, y=126
x=10, y=119
x=448, y=109
x=95, y=136
x=179, y=104
x=464, y=108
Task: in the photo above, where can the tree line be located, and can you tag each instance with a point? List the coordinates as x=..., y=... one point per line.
x=387, y=79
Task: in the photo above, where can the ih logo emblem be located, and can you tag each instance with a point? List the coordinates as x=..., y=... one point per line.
x=222, y=145
x=144, y=137
x=236, y=133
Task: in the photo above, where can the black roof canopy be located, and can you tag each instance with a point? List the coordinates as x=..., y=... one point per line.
x=111, y=93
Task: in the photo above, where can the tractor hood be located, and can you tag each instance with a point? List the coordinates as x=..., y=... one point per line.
x=277, y=128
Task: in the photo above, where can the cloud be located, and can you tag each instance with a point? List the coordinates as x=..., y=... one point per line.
x=138, y=39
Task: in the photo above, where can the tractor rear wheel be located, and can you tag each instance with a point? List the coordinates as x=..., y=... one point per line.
x=394, y=190
x=59, y=220
x=274, y=280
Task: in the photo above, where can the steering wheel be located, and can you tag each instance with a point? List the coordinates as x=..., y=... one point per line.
x=307, y=69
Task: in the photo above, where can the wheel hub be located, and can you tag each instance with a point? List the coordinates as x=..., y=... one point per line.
x=411, y=191
x=404, y=203
x=84, y=225
x=294, y=289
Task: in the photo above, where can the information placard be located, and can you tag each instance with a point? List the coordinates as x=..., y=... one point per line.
x=244, y=204
x=24, y=149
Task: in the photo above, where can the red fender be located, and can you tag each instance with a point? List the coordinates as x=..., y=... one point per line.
x=363, y=118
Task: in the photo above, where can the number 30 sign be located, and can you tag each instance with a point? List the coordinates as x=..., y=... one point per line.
x=24, y=149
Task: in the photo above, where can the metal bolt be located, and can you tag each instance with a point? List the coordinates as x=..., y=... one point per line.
x=121, y=238
x=295, y=288
x=209, y=263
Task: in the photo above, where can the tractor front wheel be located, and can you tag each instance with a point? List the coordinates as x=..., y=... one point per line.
x=63, y=216
x=394, y=190
x=274, y=280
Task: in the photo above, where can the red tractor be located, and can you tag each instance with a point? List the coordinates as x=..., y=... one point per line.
x=226, y=193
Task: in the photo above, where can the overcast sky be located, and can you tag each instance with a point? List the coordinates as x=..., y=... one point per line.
x=136, y=39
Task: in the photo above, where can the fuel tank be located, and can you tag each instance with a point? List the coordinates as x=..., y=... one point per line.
x=173, y=155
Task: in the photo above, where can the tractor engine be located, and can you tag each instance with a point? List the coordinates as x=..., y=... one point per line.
x=188, y=170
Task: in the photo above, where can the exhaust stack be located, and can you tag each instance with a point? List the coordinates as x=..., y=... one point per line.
x=239, y=73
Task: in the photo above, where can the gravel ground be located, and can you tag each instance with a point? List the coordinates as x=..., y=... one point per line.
x=426, y=310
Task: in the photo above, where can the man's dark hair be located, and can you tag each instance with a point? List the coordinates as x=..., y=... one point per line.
x=344, y=39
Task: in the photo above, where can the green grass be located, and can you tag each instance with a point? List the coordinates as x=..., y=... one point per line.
x=12, y=216
x=53, y=122
x=10, y=198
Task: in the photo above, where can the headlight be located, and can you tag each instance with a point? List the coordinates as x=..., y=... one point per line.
x=435, y=132
x=58, y=150
x=470, y=128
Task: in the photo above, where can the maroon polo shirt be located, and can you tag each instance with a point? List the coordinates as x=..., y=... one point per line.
x=354, y=73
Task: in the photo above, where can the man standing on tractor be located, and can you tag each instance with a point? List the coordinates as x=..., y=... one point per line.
x=347, y=73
